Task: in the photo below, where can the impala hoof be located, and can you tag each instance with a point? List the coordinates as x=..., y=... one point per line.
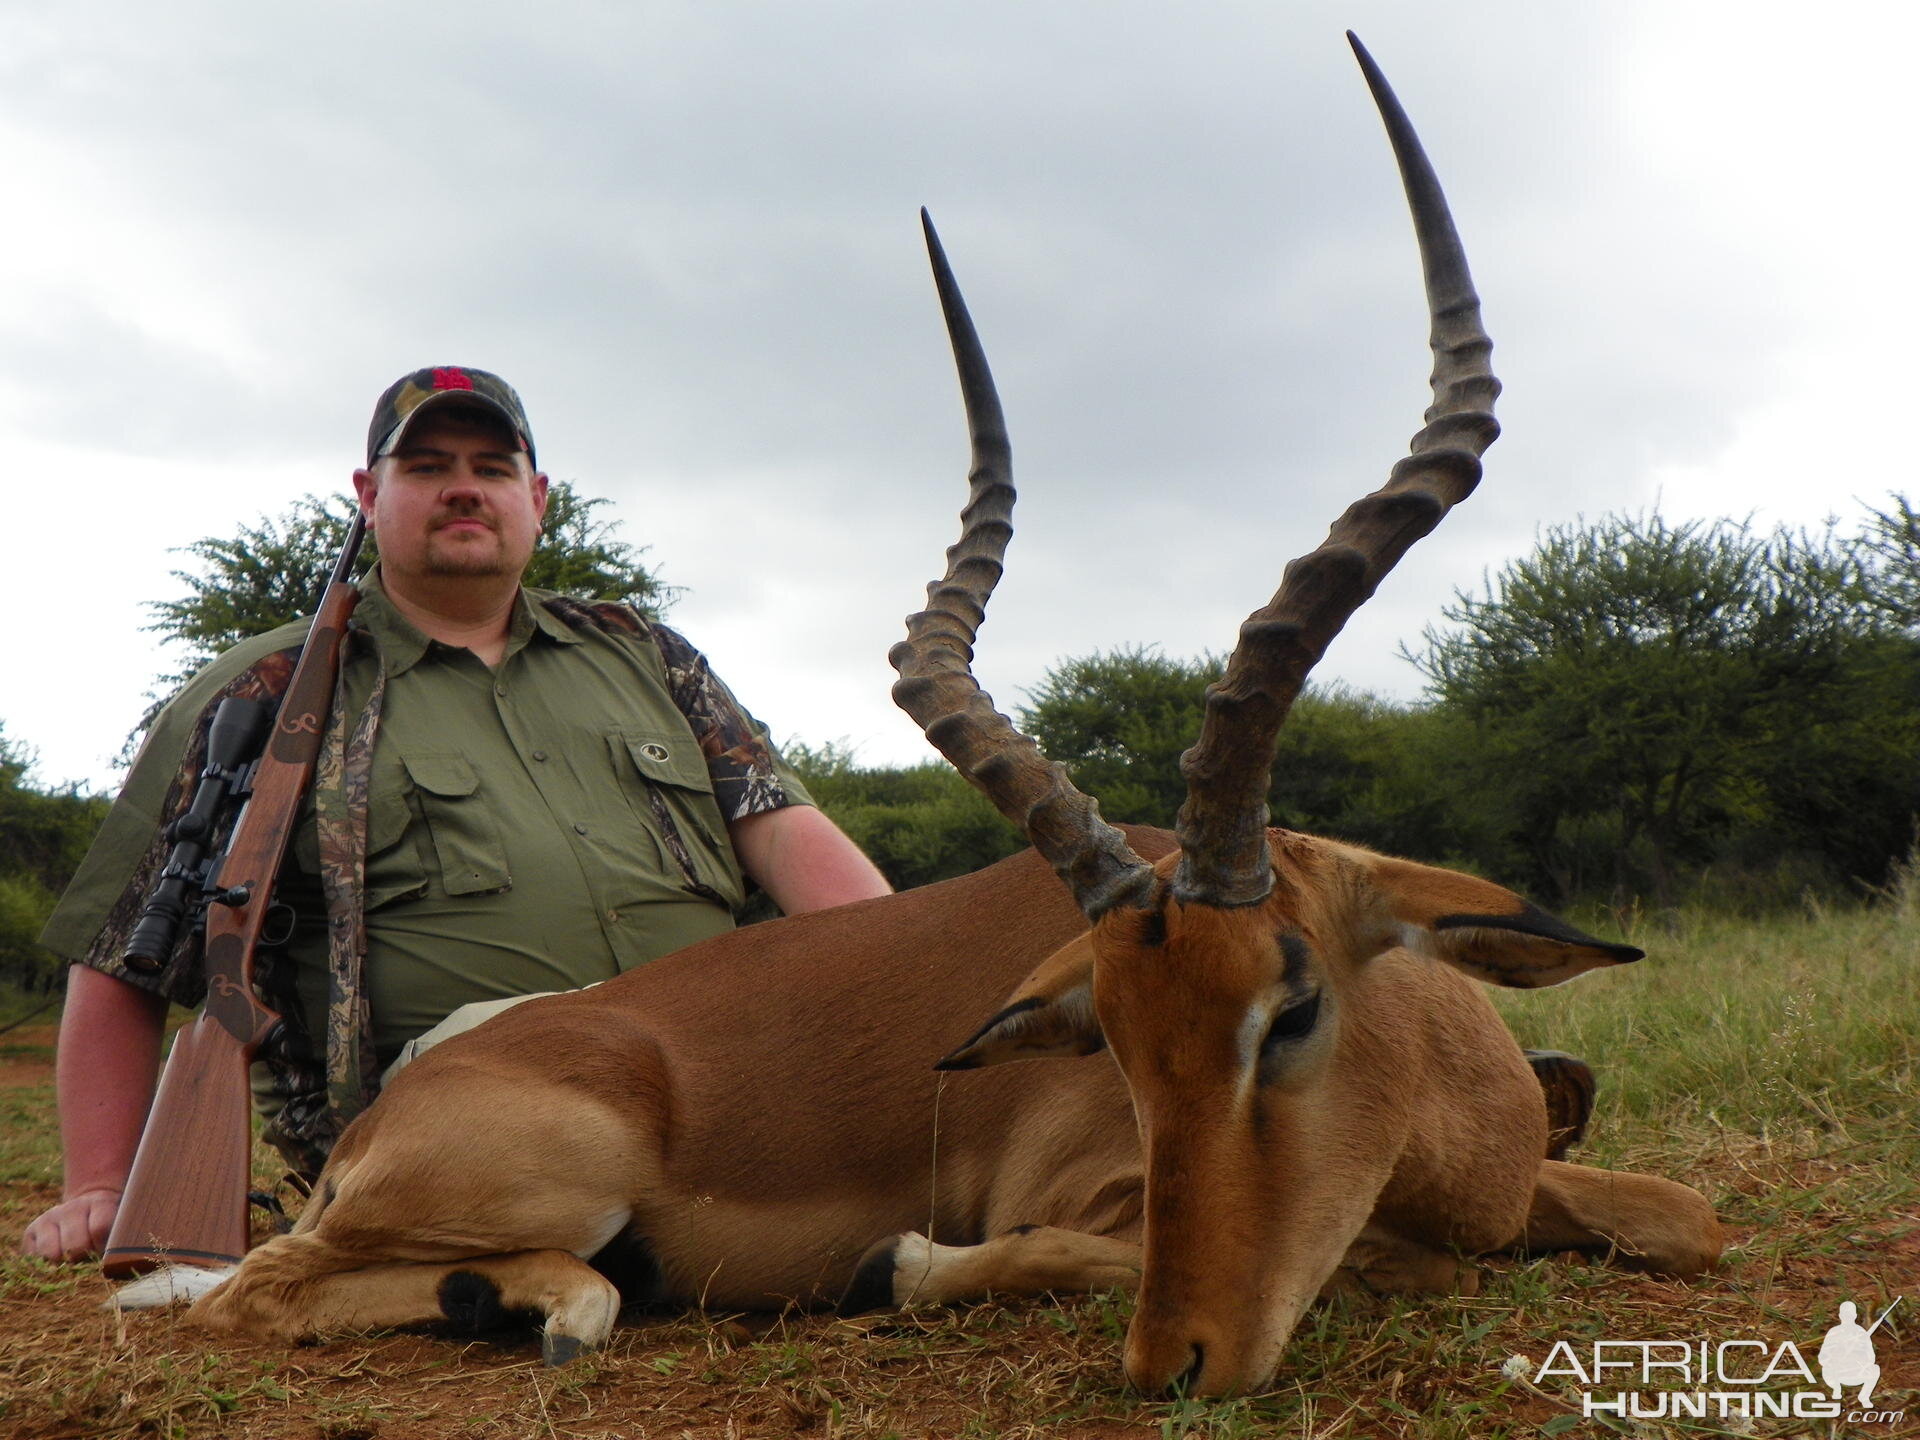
x=559, y=1350
x=168, y=1285
x=1567, y=1086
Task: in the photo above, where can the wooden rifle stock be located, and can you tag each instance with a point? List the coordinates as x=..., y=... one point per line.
x=186, y=1198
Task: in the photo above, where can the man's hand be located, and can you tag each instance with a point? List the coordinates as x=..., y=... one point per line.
x=75, y=1228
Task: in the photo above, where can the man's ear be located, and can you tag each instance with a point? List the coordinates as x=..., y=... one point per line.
x=1484, y=929
x=540, y=497
x=1050, y=1013
x=366, y=485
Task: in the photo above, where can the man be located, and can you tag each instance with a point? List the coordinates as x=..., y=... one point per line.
x=517, y=792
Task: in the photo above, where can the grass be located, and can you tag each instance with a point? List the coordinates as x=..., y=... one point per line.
x=1775, y=1066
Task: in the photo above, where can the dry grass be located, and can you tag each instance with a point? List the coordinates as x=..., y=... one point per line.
x=1776, y=1067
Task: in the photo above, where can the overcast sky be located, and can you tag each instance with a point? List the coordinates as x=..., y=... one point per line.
x=687, y=233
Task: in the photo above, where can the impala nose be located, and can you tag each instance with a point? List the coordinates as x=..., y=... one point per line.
x=1175, y=1366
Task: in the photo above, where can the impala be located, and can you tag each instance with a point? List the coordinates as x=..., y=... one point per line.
x=1292, y=1079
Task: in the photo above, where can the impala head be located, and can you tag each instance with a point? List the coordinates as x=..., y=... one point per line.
x=1269, y=1051
x=1244, y=985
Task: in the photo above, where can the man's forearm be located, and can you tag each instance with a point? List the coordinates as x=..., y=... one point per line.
x=804, y=861
x=105, y=1069
x=105, y=1073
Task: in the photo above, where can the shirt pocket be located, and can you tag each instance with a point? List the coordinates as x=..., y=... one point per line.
x=464, y=836
x=673, y=793
x=393, y=871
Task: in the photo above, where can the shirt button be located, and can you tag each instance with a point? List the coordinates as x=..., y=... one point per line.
x=614, y=916
x=539, y=754
x=500, y=690
x=579, y=829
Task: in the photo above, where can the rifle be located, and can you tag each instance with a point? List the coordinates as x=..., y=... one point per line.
x=186, y=1197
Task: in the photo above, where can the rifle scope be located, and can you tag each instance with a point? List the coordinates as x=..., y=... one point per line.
x=234, y=741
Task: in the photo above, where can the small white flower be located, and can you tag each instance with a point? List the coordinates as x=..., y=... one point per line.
x=1741, y=1424
x=1515, y=1366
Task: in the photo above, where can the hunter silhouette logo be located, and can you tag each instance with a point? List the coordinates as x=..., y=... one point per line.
x=1720, y=1379
x=1846, y=1355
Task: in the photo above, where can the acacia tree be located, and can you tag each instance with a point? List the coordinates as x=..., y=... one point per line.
x=1346, y=765
x=1120, y=720
x=273, y=571
x=1633, y=693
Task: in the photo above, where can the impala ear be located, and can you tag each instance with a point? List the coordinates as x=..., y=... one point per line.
x=1486, y=930
x=1050, y=1013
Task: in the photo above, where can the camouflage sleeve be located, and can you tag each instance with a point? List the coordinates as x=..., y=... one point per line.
x=749, y=776
x=95, y=917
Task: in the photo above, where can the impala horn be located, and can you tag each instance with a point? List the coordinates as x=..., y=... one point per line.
x=1222, y=826
x=936, y=685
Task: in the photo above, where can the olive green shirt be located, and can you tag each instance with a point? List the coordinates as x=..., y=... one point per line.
x=537, y=826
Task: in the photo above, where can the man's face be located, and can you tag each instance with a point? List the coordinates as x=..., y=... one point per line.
x=457, y=498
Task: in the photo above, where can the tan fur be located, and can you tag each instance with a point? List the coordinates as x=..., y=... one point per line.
x=761, y=1110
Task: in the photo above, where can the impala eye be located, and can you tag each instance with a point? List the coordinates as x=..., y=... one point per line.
x=1296, y=1022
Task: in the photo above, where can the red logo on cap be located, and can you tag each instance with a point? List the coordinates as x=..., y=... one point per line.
x=447, y=378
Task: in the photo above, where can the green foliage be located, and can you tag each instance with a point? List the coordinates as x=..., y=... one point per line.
x=1633, y=708
x=919, y=824
x=580, y=555
x=265, y=575
x=1635, y=696
x=1891, y=548
x=25, y=905
x=1355, y=767
x=274, y=571
x=1348, y=764
x=1119, y=721
x=43, y=837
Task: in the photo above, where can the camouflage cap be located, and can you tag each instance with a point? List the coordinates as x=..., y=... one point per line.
x=408, y=395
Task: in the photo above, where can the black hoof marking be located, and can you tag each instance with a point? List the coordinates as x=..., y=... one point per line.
x=629, y=1263
x=471, y=1302
x=872, y=1284
x=559, y=1350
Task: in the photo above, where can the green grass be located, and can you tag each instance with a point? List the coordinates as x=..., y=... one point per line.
x=29, y=1140
x=1797, y=1021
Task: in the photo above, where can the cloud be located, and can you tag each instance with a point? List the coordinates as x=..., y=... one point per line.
x=688, y=234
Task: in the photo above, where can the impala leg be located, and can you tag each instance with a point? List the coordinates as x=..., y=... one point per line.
x=1382, y=1263
x=297, y=1286
x=910, y=1269
x=1654, y=1224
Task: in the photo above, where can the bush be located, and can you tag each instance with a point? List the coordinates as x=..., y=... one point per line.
x=918, y=823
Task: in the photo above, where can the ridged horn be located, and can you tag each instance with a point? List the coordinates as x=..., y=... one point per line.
x=1222, y=825
x=936, y=685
